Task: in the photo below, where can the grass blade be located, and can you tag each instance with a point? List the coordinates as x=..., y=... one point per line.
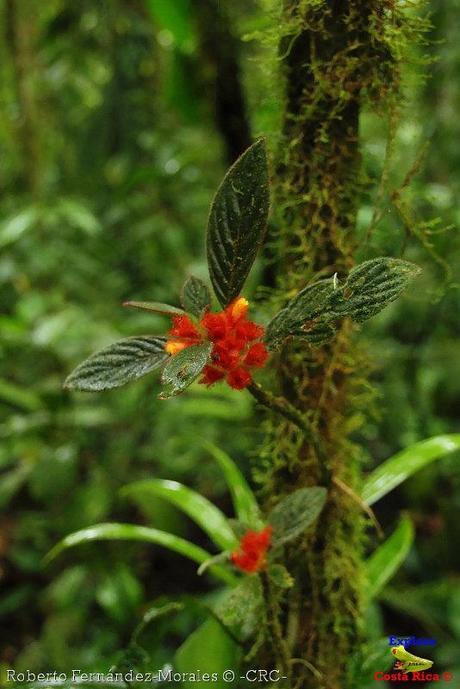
x=406, y=463
x=111, y=531
x=244, y=501
x=200, y=509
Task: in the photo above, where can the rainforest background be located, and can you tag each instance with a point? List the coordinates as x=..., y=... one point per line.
x=118, y=119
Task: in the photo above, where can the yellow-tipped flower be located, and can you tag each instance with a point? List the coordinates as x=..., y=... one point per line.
x=174, y=346
x=239, y=308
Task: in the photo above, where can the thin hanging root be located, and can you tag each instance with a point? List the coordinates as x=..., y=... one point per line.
x=359, y=501
x=312, y=668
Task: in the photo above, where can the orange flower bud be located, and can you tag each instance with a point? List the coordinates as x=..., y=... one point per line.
x=238, y=308
x=174, y=346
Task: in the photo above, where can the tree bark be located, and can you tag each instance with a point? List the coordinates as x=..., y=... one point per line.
x=332, y=54
x=20, y=37
x=222, y=77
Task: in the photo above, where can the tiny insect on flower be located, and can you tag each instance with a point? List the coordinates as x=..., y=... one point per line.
x=251, y=556
x=237, y=348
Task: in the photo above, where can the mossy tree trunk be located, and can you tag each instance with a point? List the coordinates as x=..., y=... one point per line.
x=334, y=55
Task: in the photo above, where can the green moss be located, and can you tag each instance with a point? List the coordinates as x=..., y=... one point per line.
x=336, y=58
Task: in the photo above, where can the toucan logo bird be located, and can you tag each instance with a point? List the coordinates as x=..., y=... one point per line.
x=407, y=662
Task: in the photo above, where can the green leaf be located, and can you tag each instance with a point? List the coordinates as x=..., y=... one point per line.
x=195, y=296
x=237, y=222
x=241, y=610
x=295, y=513
x=312, y=314
x=131, y=532
x=120, y=363
x=371, y=286
x=388, y=557
x=306, y=316
x=371, y=658
x=406, y=463
x=209, y=649
x=197, y=507
x=244, y=501
x=183, y=368
x=155, y=307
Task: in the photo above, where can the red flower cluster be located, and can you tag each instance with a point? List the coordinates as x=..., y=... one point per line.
x=251, y=556
x=236, y=343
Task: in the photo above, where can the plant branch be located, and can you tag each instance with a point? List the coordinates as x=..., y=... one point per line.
x=282, y=406
x=273, y=623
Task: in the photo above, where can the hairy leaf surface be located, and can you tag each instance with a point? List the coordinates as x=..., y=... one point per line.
x=195, y=296
x=295, y=513
x=237, y=222
x=121, y=362
x=183, y=368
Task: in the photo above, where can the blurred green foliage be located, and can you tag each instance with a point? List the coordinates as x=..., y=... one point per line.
x=111, y=150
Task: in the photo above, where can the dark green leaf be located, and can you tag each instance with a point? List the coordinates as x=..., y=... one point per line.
x=237, y=222
x=121, y=362
x=195, y=296
x=295, y=513
x=312, y=314
x=306, y=315
x=371, y=286
x=183, y=368
x=155, y=307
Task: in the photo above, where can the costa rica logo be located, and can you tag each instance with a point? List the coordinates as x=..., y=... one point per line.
x=408, y=662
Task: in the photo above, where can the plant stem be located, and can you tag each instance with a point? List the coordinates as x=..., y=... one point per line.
x=282, y=406
x=275, y=629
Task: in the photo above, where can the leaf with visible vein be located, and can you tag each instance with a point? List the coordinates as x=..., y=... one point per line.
x=306, y=315
x=183, y=368
x=154, y=307
x=371, y=286
x=195, y=296
x=118, y=364
x=314, y=312
x=295, y=513
x=237, y=222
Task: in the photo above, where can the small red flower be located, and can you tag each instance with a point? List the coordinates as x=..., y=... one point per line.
x=257, y=355
x=184, y=327
x=215, y=325
x=211, y=375
x=252, y=554
x=239, y=378
x=237, y=348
